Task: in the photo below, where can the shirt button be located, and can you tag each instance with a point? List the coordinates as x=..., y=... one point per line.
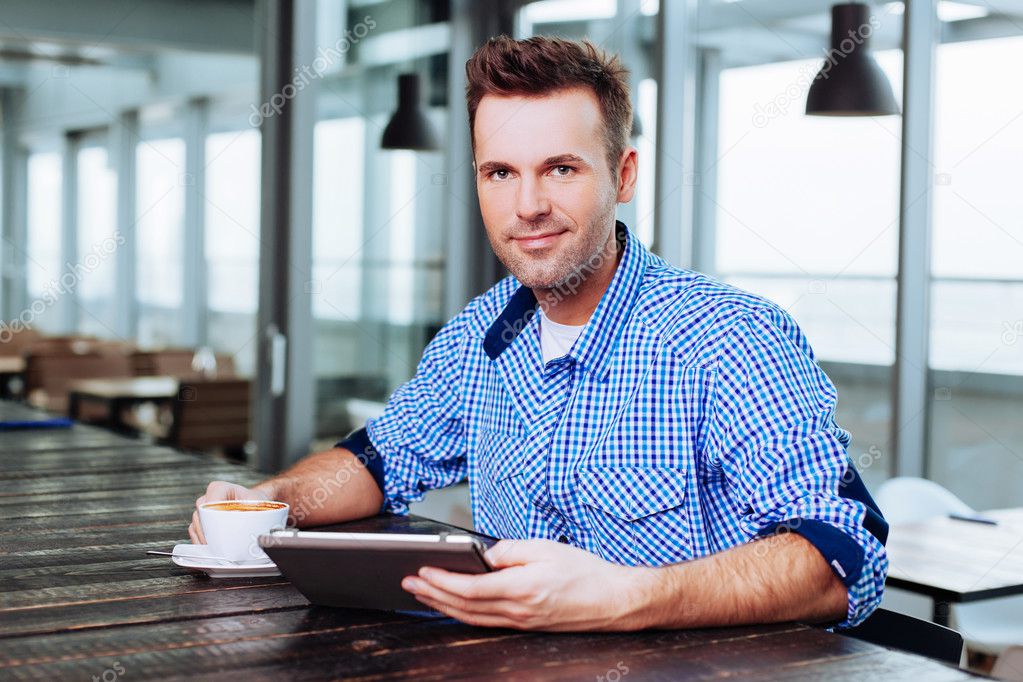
x=563, y=539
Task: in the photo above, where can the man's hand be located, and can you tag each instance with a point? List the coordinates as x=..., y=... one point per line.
x=327, y=487
x=216, y=492
x=542, y=585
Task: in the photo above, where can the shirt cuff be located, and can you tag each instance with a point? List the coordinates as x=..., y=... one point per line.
x=843, y=554
x=361, y=446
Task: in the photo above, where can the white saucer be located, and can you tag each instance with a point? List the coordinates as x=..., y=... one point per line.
x=198, y=559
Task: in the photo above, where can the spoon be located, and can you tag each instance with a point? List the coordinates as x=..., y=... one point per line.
x=193, y=556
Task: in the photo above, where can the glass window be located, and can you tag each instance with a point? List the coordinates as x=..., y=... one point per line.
x=978, y=210
x=976, y=349
x=402, y=299
x=378, y=234
x=646, y=146
x=159, y=235
x=802, y=194
x=807, y=216
x=337, y=218
x=44, y=235
x=232, y=243
x=98, y=241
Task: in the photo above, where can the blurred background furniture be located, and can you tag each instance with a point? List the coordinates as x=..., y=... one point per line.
x=179, y=362
x=13, y=344
x=211, y=414
x=116, y=397
x=969, y=569
x=50, y=372
x=12, y=369
x=906, y=633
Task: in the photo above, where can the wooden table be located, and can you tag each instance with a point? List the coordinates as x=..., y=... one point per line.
x=955, y=561
x=118, y=394
x=79, y=599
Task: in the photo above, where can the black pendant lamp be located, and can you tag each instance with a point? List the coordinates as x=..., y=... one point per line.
x=850, y=83
x=409, y=128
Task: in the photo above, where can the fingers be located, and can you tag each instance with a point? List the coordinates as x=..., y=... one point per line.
x=479, y=619
x=519, y=552
x=217, y=491
x=221, y=490
x=499, y=585
x=195, y=530
x=503, y=608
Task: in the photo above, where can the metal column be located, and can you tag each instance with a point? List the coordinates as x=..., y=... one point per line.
x=194, y=299
x=706, y=140
x=910, y=399
x=69, y=231
x=12, y=203
x=123, y=140
x=676, y=132
x=284, y=389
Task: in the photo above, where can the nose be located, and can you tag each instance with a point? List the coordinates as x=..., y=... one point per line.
x=532, y=203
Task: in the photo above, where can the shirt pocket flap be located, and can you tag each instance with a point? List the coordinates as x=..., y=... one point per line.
x=632, y=493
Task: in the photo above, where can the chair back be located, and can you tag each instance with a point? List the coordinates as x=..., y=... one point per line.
x=177, y=362
x=48, y=375
x=13, y=343
x=899, y=631
x=211, y=414
x=174, y=362
x=57, y=344
x=907, y=499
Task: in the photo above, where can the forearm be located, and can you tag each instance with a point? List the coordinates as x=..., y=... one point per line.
x=326, y=487
x=781, y=578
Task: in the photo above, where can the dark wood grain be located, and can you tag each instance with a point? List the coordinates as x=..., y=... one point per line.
x=86, y=543
x=76, y=438
x=130, y=481
x=112, y=520
x=203, y=598
x=137, y=457
x=78, y=597
x=13, y=411
x=102, y=501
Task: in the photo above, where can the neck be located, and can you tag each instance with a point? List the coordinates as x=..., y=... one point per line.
x=574, y=301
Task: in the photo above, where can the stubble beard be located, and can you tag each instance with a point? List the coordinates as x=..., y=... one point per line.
x=553, y=271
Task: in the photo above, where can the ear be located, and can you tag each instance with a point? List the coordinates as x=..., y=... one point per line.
x=627, y=169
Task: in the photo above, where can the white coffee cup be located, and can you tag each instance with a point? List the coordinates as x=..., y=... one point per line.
x=234, y=533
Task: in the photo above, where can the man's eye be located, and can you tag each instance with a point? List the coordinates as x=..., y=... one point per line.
x=501, y=174
x=563, y=170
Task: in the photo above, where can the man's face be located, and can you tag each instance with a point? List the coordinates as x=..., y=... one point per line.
x=546, y=190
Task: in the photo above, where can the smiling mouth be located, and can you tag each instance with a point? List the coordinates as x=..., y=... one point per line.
x=539, y=241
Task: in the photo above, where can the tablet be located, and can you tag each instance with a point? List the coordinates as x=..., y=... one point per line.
x=365, y=570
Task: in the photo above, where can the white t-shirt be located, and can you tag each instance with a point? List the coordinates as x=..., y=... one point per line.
x=556, y=339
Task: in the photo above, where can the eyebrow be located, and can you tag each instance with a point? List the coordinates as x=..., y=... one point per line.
x=560, y=159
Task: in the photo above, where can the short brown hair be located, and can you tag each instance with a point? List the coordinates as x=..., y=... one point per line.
x=539, y=66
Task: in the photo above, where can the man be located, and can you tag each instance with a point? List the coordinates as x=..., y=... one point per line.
x=634, y=426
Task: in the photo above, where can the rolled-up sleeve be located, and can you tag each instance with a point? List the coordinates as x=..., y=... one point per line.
x=418, y=443
x=784, y=458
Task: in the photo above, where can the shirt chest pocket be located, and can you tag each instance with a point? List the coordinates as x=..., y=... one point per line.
x=637, y=515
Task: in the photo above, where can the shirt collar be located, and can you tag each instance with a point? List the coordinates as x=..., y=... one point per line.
x=593, y=348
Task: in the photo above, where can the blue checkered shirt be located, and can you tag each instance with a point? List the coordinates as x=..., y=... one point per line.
x=688, y=418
